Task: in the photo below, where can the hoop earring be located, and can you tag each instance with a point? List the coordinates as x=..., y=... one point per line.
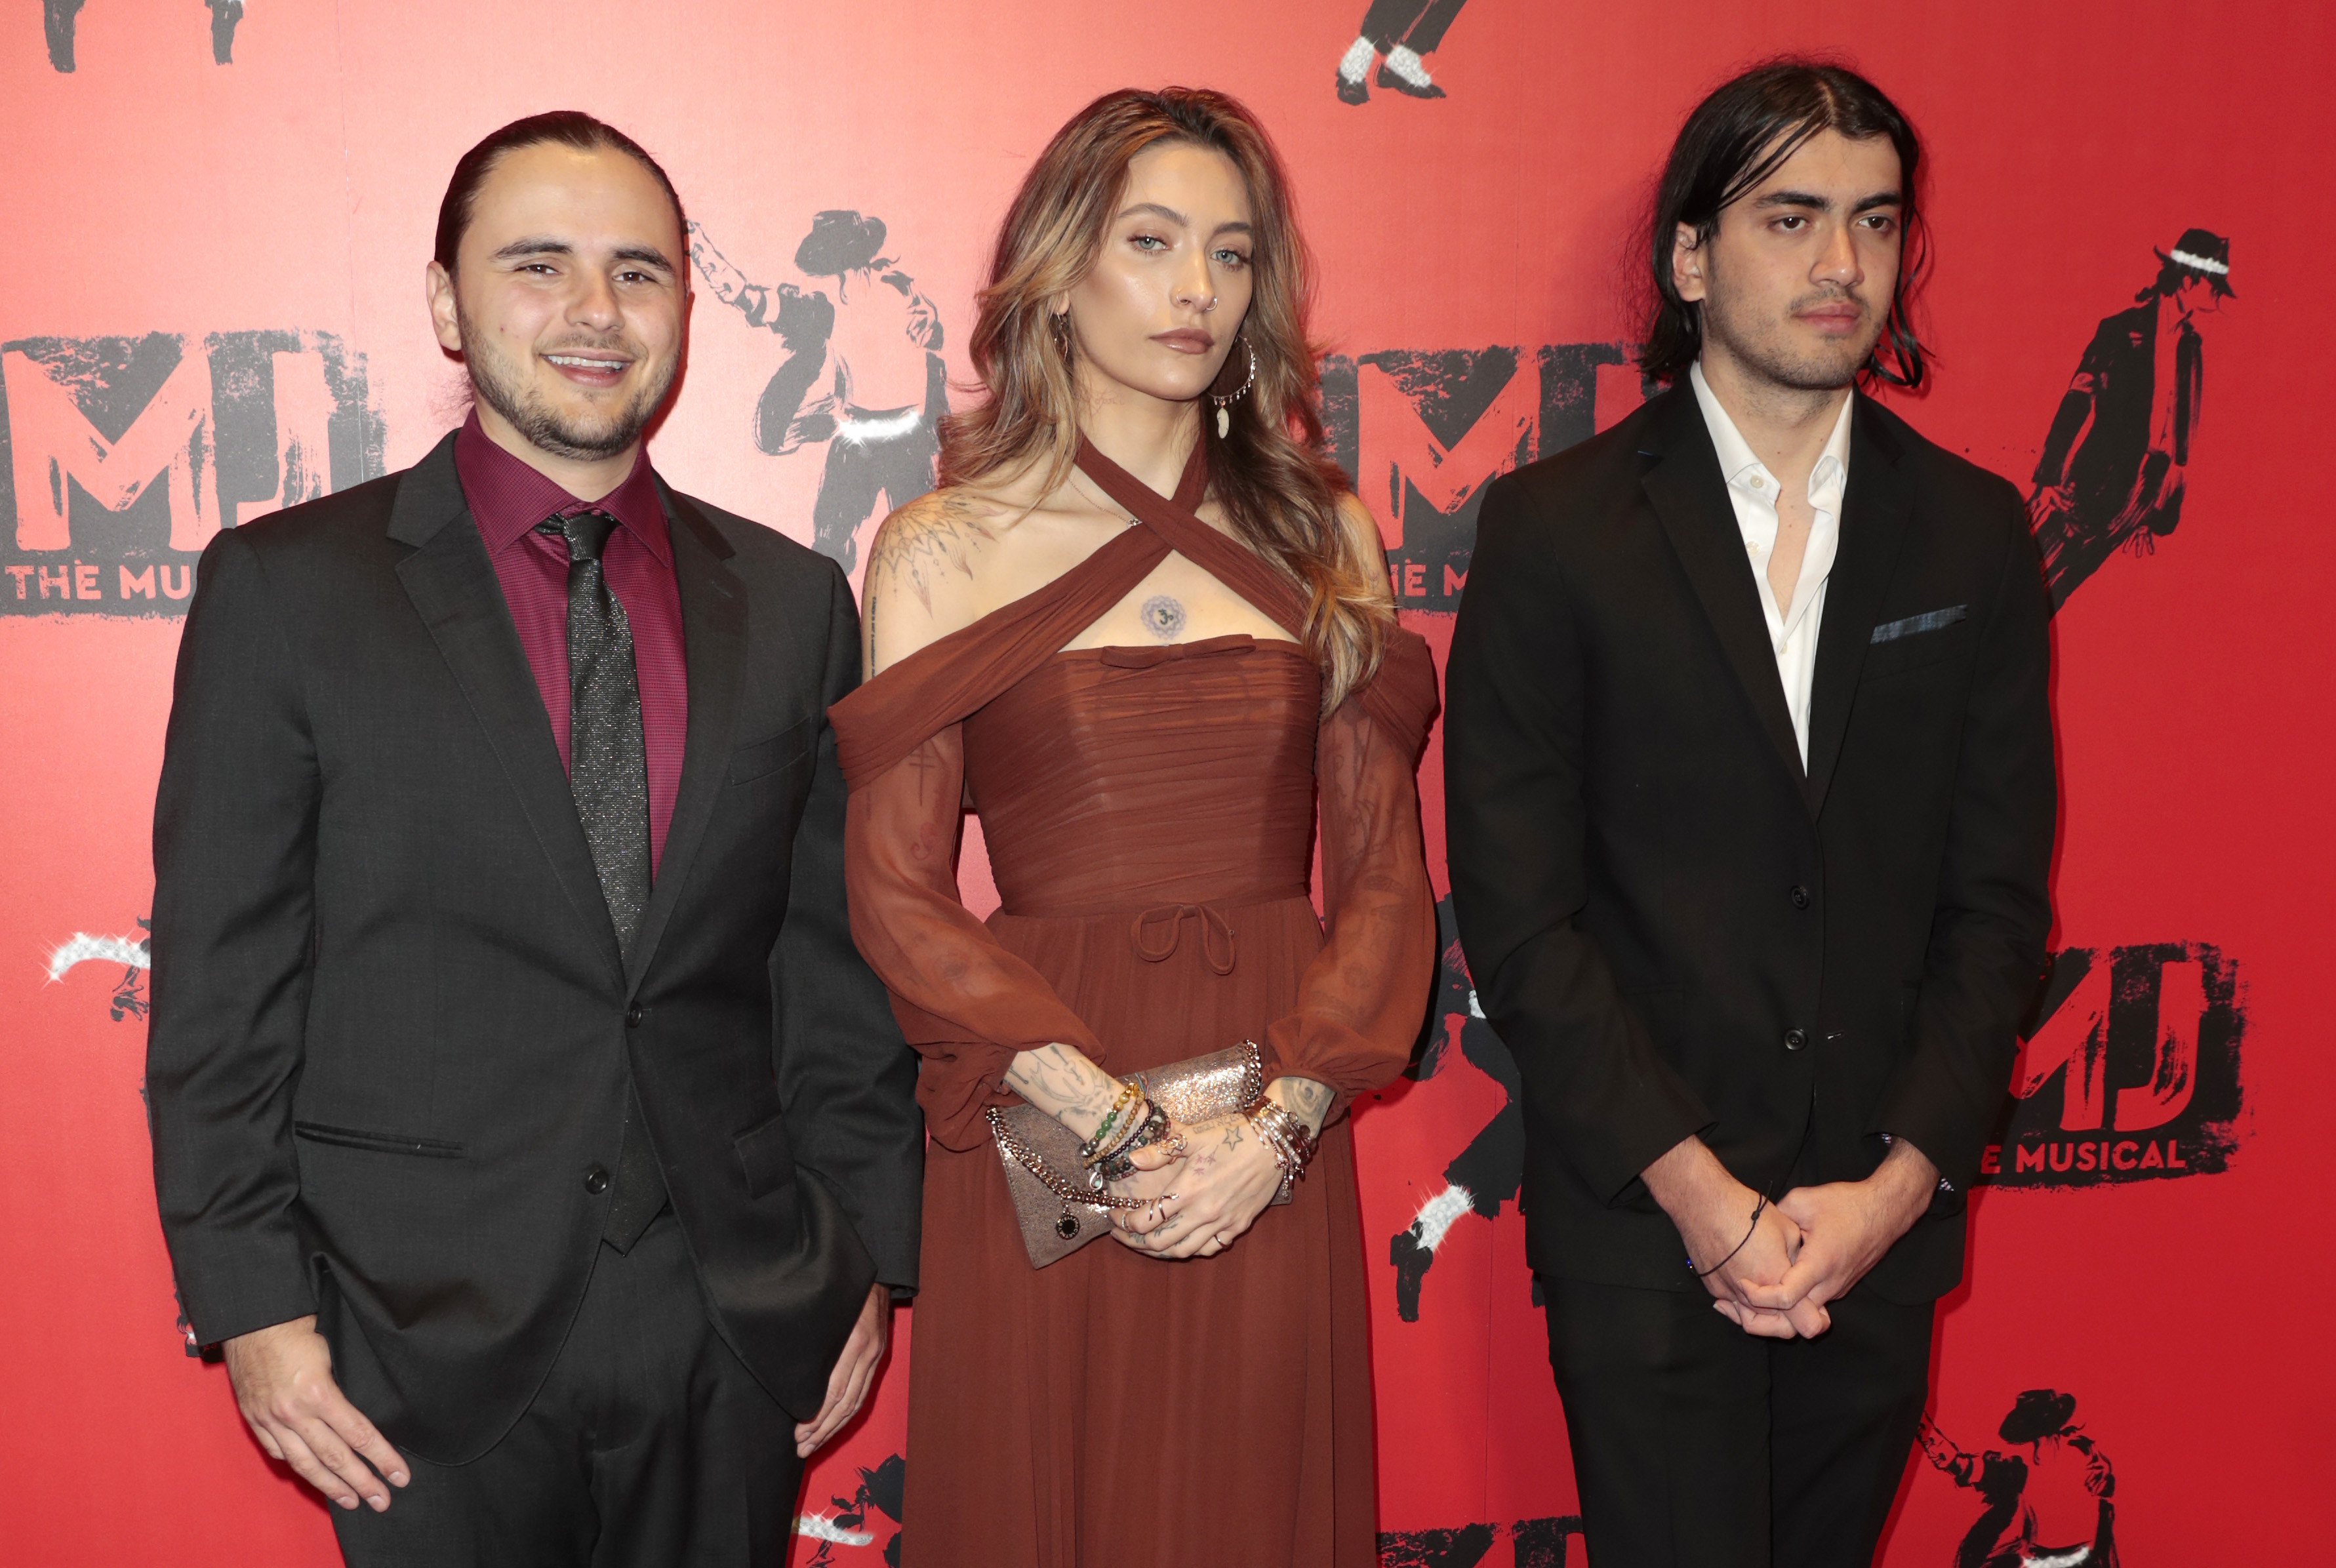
x=1225, y=403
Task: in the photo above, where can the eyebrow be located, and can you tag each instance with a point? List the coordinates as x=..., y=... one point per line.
x=545, y=245
x=1237, y=225
x=1819, y=203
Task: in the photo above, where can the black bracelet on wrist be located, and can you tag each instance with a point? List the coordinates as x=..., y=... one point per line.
x=1757, y=1209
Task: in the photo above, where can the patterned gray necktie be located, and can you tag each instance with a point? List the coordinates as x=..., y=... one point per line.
x=608, y=770
x=607, y=773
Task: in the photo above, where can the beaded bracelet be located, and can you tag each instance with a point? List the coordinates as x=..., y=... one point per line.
x=1119, y=1164
x=1092, y=1150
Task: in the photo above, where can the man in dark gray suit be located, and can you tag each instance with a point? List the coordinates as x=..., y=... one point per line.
x=527, y=1130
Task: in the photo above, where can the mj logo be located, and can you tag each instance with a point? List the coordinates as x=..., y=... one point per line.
x=120, y=457
x=1423, y=433
x=2131, y=1075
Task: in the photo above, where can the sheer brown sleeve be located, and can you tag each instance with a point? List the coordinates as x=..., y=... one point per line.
x=1360, y=1001
x=966, y=1004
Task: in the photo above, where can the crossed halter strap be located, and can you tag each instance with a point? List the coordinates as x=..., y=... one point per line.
x=888, y=717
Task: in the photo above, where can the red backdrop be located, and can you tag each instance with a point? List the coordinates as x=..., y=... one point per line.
x=215, y=307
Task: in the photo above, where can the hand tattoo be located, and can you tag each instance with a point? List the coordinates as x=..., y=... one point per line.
x=1162, y=617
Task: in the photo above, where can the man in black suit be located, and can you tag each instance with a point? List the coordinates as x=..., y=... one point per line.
x=1749, y=777
x=527, y=1130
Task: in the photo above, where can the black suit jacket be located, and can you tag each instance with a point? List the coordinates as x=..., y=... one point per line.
x=392, y=1028
x=1675, y=928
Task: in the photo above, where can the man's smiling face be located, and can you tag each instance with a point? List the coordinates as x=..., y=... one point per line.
x=567, y=304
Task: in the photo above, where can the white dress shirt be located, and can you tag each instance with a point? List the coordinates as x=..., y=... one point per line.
x=1752, y=491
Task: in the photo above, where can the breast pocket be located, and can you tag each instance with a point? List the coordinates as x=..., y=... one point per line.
x=1917, y=641
x=791, y=747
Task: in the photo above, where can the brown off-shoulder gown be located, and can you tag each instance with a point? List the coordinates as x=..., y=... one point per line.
x=1148, y=814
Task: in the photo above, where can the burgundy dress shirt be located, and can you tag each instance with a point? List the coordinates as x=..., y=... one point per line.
x=507, y=500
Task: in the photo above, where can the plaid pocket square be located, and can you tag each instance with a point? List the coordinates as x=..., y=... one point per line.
x=1932, y=621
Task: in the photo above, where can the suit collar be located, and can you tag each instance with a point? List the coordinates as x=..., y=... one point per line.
x=452, y=584
x=1689, y=495
x=1874, y=516
x=429, y=497
x=714, y=641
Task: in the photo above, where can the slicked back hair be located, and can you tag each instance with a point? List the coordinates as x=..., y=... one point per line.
x=1736, y=138
x=569, y=128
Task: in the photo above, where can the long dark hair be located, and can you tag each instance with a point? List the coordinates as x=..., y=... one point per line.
x=1278, y=490
x=570, y=128
x=1736, y=138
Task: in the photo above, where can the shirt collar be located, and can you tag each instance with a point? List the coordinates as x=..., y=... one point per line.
x=507, y=498
x=1827, y=480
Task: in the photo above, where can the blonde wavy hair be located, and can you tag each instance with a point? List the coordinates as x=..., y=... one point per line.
x=1279, y=490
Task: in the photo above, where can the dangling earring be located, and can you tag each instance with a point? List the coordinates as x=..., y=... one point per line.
x=1059, y=328
x=1225, y=403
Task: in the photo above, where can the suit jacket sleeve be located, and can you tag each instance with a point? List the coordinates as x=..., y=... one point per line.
x=1994, y=911
x=847, y=1080
x=235, y=835
x=1515, y=837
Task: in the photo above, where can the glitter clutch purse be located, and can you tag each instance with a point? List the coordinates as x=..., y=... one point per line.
x=1061, y=1206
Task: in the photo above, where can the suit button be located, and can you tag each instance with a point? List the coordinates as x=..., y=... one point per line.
x=596, y=1181
x=633, y=1017
x=1796, y=1039
x=1800, y=897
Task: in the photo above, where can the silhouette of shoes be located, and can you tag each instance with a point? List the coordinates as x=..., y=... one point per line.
x=1408, y=88
x=1353, y=89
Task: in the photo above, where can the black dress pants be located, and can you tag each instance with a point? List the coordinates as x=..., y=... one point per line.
x=1698, y=1445
x=649, y=1445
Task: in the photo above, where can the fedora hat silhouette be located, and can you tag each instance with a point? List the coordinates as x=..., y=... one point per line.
x=2206, y=253
x=2038, y=1413
x=839, y=242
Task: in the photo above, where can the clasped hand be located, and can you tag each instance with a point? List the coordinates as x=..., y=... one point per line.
x=1804, y=1250
x=1204, y=1197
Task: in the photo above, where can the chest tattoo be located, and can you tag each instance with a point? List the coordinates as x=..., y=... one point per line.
x=1162, y=617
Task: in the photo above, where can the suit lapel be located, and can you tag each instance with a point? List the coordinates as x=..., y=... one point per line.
x=452, y=587
x=713, y=646
x=1874, y=517
x=1689, y=494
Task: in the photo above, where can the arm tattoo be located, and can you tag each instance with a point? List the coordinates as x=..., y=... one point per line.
x=924, y=541
x=1065, y=1085
x=1162, y=617
x=1307, y=1099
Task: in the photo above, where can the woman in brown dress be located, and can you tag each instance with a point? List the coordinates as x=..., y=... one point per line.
x=1139, y=630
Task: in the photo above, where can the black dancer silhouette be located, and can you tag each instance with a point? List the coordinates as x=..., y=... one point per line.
x=2045, y=1507
x=863, y=373
x=2114, y=464
x=1489, y=1170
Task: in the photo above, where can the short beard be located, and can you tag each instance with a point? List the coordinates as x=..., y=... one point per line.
x=502, y=388
x=1774, y=363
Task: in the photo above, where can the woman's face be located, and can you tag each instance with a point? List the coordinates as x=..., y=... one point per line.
x=1157, y=314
